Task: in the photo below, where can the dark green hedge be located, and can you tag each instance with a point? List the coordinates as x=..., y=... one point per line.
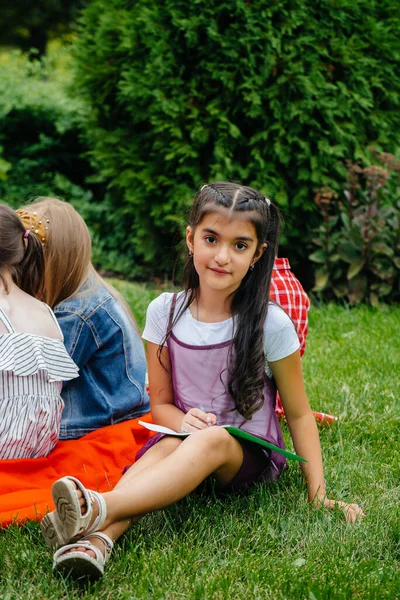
x=40, y=134
x=42, y=150
x=272, y=94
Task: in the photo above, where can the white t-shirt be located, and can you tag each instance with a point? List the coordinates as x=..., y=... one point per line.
x=280, y=337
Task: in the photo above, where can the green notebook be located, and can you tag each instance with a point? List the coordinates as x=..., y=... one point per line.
x=233, y=431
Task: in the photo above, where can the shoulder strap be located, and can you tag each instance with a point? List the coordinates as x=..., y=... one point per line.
x=55, y=321
x=6, y=321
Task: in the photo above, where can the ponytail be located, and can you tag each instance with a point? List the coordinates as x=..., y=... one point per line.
x=21, y=254
x=30, y=271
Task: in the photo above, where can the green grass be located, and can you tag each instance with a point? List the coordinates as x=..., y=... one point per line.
x=269, y=544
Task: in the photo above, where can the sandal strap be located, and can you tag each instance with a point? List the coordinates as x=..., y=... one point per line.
x=101, y=517
x=85, y=519
x=107, y=541
x=80, y=544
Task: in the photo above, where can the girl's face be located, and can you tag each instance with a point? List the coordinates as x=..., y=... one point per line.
x=224, y=247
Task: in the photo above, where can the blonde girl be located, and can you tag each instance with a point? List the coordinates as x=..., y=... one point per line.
x=99, y=330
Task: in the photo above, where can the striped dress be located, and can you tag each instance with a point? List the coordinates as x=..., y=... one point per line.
x=32, y=369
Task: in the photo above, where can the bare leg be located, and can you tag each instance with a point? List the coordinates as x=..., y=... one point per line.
x=161, y=450
x=165, y=481
x=156, y=453
x=211, y=450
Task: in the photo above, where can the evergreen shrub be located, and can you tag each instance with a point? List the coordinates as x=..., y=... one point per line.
x=272, y=94
x=40, y=134
x=42, y=149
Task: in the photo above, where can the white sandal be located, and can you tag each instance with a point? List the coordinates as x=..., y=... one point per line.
x=81, y=564
x=67, y=523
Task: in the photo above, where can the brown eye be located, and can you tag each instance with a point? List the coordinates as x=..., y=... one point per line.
x=241, y=246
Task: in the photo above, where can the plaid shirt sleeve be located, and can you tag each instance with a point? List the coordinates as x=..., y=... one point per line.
x=287, y=291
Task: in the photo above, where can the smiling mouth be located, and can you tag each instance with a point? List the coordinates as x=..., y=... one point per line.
x=220, y=271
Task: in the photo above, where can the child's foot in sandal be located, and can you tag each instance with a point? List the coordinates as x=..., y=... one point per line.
x=78, y=512
x=86, y=558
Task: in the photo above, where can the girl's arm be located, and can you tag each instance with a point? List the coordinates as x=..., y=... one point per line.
x=163, y=410
x=303, y=430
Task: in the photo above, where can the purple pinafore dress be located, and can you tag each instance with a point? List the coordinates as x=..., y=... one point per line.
x=200, y=376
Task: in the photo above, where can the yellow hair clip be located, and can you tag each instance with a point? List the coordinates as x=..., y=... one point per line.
x=35, y=225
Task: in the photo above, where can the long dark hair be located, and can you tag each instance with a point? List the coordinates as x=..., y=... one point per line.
x=250, y=301
x=21, y=254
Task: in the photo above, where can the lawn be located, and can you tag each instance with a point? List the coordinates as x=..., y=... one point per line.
x=269, y=544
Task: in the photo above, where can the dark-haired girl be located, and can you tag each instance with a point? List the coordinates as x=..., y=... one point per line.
x=216, y=354
x=33, y=358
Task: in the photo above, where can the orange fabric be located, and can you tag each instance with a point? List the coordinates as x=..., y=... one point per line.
x=97, y=459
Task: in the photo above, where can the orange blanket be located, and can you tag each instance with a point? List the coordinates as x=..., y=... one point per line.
x=97, y=459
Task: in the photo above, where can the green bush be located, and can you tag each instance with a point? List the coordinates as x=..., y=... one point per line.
x=42, y=150
x=28, y=24
x=272, y=94
x=359, y=239
x=40, y=133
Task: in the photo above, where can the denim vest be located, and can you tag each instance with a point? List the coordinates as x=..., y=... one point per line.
x=108, y=350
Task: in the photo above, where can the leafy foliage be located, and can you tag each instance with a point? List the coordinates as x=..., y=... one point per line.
x=359, y=238
x=42, y=150
x=40, y=135
x=272, y=94
x=28, y=24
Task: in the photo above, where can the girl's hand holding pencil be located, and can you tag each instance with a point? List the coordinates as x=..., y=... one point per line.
x=197, y=418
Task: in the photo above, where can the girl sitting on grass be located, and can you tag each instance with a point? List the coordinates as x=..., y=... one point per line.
x=216, y=354
x=99, y=329
x=33, y=358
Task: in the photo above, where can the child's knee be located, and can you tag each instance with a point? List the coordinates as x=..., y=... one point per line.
x=214, y=439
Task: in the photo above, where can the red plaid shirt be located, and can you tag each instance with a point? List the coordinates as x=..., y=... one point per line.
x=287, y=291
